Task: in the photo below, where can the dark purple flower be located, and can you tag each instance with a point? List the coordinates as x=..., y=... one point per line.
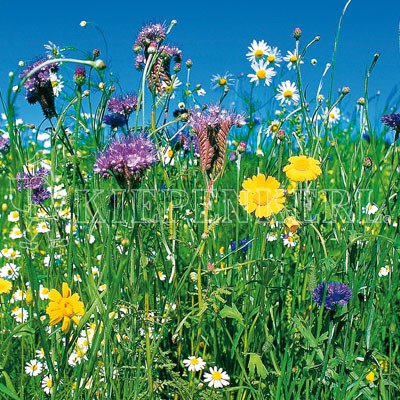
x=4, y=143
x=123, y=106
x=34, y=182
x=126, y=159
x=80, y=76
x=114, y=120
x=243, y=242
x=38, y=86
x=336, y=293
x=392, y=121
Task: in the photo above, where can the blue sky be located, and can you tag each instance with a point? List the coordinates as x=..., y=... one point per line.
x=215, y=35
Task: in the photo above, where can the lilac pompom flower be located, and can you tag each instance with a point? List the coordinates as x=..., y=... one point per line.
x=337, y=293
x=36, y=183
x=4, y=143
x=120, y=108
x=39, y=87
x=127, y=158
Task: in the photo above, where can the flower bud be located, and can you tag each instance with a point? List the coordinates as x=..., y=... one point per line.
x=367, y=163
x=241, y=147
x=297, y=33
x=177, y=67
x=80, y=76
x=280, y=134
x=96, y=53
x=345, y=90
x=189, y=63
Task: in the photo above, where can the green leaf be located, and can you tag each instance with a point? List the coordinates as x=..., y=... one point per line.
x=256, y=365
x=9, y=389
x=232, y=312
x=312, y=342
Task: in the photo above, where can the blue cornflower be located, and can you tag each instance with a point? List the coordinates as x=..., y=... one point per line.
x=243, y=242
x=336, y=293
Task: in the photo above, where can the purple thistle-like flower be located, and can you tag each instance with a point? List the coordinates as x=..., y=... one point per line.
x=149, y=34
x=4, y=143
x=126, y=159
x=336, y=293
x=38, y=86
x=124, y=105
x=34, y=182
x=114, y=120
x=392, y=121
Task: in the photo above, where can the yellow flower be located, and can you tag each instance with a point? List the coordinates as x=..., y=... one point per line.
x=292, y=224
x=370, y=377
x=64, y=307
x=302, y=168
x=5, y=286
x=262, y=195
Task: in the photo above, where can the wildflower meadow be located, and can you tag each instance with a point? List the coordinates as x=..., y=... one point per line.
x=159, y=245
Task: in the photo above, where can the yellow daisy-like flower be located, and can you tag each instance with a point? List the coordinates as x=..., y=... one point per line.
x=64, y=307
x=262, y=196
x=5, y=286
x=302, y=168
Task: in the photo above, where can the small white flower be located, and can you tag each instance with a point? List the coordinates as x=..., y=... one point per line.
x=258, y=50
x=43, y=292
x=223, y=82
x=33, y=367
x=193, y=363
x=271, y=237
x=9, y=271
x=216, y=378
x=384, y=271
x=333, y=116
x=262, y=73
x=15, y=233
x=289, y=240
x=161, y=276
x=292, y=58
x=43, y=227
x=83, y=24
x=47, y=384
x=274, y=56
x=20, y=314
x=370, y=209
x=287, y=93
x=13, y=216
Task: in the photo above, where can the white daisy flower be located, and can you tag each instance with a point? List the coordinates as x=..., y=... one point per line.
x=40, y=354
x=33, y=367
x=18, y=295
x=222, y=81
x=13, y=216
x=9, y=271
x=289, y=240
x=20, y=314
x=10, y=253
x=287, y=93
x=384, y=271
x=193, y=363
x=272, y=236
x=333, y=116
x=291, y=58
x=43, y=227
x=43, y=292
x=161, y=276
x=274, y=56
x=170, y=88
x=370, y=209
x=47, y=384
x=216, y=378
x=258, y=50
x=262, y=73
x=56, y=83
x=15, y=233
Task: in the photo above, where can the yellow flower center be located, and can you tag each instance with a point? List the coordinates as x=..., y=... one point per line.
x=170, y=153
x=222, y=82
x=49, y=383
x=34, y=367
x=261, y=74
x=66, y=307
x=271, y=58
x=216, y=376
x=293, y=59
x=332, y=116
x=258, y=53
x=288, y=93
x=274, y=128
x=194, y=361
x=262, y=197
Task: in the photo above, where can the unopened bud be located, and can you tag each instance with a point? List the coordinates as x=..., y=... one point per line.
x=177, y=67
x=297, y=33
x=367, y=163
x=100, y=64
x=361, y=101
x=280, y=134
x=345, y=90
x=241, y=147
x=96, y=53
x=80, y=76
x=189, y=63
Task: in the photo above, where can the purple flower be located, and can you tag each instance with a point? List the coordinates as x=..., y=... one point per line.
x=336, y=293
x=114, y=120
x=123, y=106
x=153, y=33
x=80, y=76
x=34, y=182
x=38, y=86
x=4, y=143
x=392, y=121
x=243, y=242
x=126, y=159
